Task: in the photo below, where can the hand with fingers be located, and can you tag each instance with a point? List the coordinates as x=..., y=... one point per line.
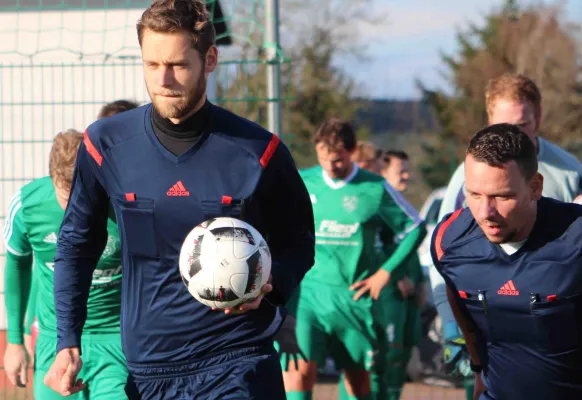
x=253, y=305
x=62, y=375
x=16, y=360
x=286, y=344
x=374, y=284
x=480, y=387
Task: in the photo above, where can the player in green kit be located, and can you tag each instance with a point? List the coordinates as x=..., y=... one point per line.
x=407, y=295
x=338, y=308
x=108, y=110
x=32, y=226
x=406, y=290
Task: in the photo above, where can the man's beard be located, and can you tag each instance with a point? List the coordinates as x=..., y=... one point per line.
x=507, y=238
x=185, y=105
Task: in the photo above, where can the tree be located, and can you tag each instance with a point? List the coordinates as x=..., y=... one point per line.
x=314, y=87
x=318, y=91
x=532, y=41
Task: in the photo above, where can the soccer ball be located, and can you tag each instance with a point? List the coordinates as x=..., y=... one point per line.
x=224, y=262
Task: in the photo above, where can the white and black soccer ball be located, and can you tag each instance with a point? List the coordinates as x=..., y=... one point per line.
x=224, y=262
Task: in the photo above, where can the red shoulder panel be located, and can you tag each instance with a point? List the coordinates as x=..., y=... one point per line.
x=439, y=237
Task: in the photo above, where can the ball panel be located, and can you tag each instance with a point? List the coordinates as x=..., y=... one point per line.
x=243, y=250
x=255, y=272
x=231, y=267
x=238, y=283
x=190, y=251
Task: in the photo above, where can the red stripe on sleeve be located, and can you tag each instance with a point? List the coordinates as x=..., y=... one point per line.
x=439, y=237
x=268, y=154
x=92, y=150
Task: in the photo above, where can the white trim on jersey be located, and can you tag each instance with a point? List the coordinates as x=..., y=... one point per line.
x=406, y=207
x=13, y=208
x=16, y=253
x=342, y=182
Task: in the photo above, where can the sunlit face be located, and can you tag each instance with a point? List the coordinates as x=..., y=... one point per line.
x=519, y=113
x=397, y=173
x=175, y=73
x=502, y=202
x=337, y=164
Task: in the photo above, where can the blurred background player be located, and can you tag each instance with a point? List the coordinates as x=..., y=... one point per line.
x=512, y=262
x=339, y=307
x=367, y=156
x=515, y=99
x=31, y=326
x=34, y=218
x=116, y=107
x=405, y=293
x=396, y=169
x=405, y=299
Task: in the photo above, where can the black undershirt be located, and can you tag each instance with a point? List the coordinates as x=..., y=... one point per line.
x=178, y=138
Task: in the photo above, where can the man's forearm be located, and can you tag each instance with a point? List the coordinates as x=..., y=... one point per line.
x=405, y=249
x=17, y=282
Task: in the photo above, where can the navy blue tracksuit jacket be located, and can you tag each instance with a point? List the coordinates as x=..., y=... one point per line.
x=158, y=198
x=526, y=307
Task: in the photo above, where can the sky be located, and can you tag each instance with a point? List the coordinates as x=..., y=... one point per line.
x=408, y=46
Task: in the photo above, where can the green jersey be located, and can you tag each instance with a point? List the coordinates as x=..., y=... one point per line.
x=349, y=213
x=32, y=225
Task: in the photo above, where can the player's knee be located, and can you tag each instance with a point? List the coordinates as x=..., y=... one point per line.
x=300, y=378
x=357, y=383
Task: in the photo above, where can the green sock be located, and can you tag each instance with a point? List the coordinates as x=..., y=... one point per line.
x=299, y=395
x=394, y=392
x=469, y=385
x=377, y=386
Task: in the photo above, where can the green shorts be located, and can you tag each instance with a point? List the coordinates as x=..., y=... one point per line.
x=330, y=322
x=104, y=369
x=401, y=318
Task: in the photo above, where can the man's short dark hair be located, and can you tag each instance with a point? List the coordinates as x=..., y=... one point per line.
x=336, y=134
x=116, y=107
x=498, y=144
x=390, y=154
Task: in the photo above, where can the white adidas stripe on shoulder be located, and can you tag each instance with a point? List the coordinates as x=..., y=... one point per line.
x=13, y=208
x=405, y=206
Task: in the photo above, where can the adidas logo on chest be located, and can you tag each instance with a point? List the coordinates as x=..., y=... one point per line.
x=50, y=238
x=508, y=289
x=178, y=190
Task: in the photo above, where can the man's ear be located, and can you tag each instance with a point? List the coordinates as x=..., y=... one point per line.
x=211, y=60
x=536, y=185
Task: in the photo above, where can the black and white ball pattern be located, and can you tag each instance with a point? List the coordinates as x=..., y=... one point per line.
x=224, y=262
